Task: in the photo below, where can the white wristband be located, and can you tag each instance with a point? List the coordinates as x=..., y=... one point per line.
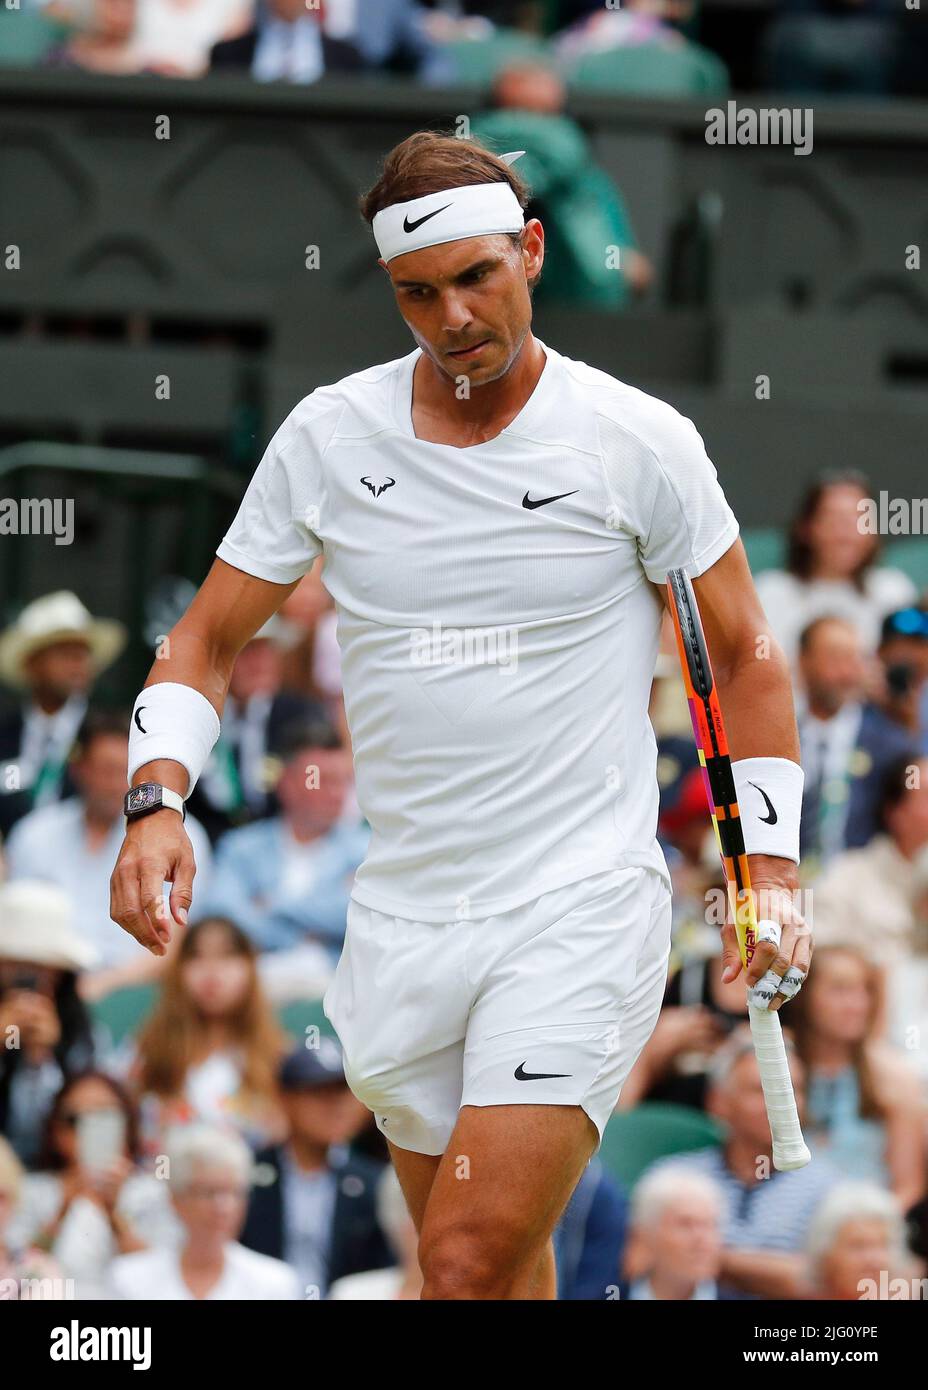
x=769, y=794
x=172, y=721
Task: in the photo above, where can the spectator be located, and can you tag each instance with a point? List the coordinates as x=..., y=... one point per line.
x=75, y=843
x=287, y=880
x=638, y=49
x=856, y=1245
x=582, y=210
x=210, y=1049
x=317, y=1209
x=675, y=1242
x=52, y=654
x=598, y=30
x=313, y=662
x=873, y=898
x=238, y=781
x=765, y=1212
x=174, y=37
x=287, y=42
x=863, y=1107
x=393, y=37
x=90, y=1200
x=903, y=653
x=590, y=1236
x=210, y=1171
x=699, y=1010
x=847, y=743
x=831, y=568
x=20, y=1265
x=43, y=1023
x=102, y=43
x=398, y=1282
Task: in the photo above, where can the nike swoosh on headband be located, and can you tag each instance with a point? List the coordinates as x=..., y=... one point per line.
x=412, y=226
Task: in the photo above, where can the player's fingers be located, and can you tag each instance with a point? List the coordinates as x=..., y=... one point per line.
x=136, y=922
x=183, y=875
x=768, y=951
x=771, y=960
x=126, y=906
x=731, y=953
x=151, y=894
x=789, y=987
x=795, y=975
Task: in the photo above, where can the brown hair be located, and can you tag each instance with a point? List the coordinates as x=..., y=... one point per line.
x=799, y=553
x=429, y=162
x=168, y=1043
x=801, y=1020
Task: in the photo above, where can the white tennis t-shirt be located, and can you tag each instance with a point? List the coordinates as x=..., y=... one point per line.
x=497, y=630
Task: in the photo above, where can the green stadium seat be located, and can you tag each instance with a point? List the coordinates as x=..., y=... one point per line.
x=122, y=1012
x=26, y=35
x=634, y=1139
x=651, y=69
x=301, y=1015
x=909, y=555
x=479, y=60
x=765, y=546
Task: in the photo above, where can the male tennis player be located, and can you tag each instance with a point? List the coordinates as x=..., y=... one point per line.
x=494, y=519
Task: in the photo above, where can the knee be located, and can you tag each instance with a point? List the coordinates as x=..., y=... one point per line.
x=464, y=1263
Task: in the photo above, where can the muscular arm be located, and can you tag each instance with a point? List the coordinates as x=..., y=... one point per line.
x=200, y=651
x=755, y=693
x=750, y=669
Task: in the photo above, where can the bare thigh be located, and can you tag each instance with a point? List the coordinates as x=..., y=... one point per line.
x=496, y=1196
x=416, y=1173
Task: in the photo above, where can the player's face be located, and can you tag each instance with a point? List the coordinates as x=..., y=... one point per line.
x=467, y=302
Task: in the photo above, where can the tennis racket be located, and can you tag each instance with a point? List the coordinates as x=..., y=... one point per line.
x=789, y=1149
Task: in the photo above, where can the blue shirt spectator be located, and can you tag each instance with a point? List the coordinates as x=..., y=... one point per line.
x=288, y=879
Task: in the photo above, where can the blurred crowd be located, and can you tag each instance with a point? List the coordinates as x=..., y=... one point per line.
x=182, y=1128
x=644, y=47
x=525, y=58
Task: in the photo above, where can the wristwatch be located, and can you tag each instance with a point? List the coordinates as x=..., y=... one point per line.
x=148, y=797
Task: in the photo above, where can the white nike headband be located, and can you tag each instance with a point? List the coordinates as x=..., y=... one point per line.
x=477, y=209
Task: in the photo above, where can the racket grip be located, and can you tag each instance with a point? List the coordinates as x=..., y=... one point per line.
x=789, y=1149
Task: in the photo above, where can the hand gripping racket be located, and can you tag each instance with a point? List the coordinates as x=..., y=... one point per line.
x=789, y=1149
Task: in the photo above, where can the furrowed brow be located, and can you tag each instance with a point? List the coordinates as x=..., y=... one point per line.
x=461, y=275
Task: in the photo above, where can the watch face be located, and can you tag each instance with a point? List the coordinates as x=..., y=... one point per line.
x=143, y=798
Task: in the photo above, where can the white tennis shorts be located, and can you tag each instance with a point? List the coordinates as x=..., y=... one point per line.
x=549, y=1004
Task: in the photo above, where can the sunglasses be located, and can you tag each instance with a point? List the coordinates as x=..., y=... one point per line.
x=908, y=622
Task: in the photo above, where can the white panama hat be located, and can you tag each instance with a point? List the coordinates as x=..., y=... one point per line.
x=58, y=617
x=37, y=925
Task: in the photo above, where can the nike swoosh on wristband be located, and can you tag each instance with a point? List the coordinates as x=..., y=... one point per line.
x=138, y=722
x=772, y=818
x=521, y=1075
x=411, y=226
x=530, y=506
